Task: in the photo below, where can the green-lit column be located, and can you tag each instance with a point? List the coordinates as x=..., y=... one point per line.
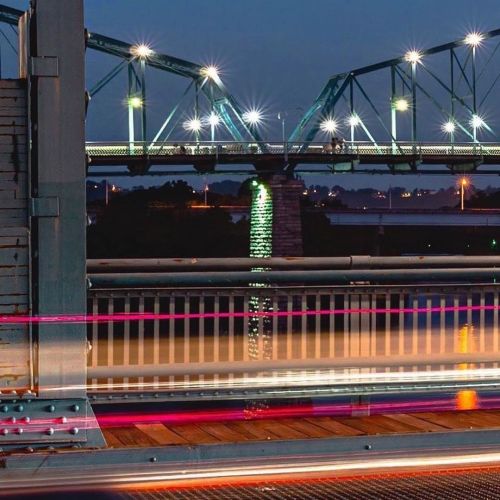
x=261, y=243
x=261, y=220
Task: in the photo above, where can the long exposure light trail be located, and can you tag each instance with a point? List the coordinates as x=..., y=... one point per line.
x=121, y=317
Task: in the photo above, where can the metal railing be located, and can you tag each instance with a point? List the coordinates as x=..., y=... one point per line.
x=222, y=148
x=307, y=335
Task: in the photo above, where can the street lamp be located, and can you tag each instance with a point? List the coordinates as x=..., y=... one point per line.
x=328, y=125
x=414, y=57
x=213, y=120
x=353, y=121
x=252, y=116
x=464, y=182
x=473, y=40
x=476, y=123
x=141, y=51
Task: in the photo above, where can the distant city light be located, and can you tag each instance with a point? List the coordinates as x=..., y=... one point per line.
x=213, y=120
x=135, y=102
x=329, y=125
x=477, y=122
x=254, y=117
x=401, y=105
x=474, y=39
x=141, y=51
x=193, y=125
x=449, y=127
x=211, y=72
x=413, y=56
x=354, y=120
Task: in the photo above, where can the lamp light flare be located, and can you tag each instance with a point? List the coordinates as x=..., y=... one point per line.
x=211, y=72
x=213, y=120
x=449, y=127
x=142, y=51
x=135, y=102
x=474, y=39
x=193, y=125
x=477, y=122
x=253, y=117
x=413, y=56
x=401, y=105
x=354, y=120
x=329, y=125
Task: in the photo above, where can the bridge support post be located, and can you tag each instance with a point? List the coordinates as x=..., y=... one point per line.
x=54, y=411
x=275, y=219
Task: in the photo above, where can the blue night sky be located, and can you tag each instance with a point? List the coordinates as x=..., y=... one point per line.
x=275, y=54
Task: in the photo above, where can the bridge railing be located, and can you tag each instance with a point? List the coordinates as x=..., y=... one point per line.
x=221, y=148
x=343, y=337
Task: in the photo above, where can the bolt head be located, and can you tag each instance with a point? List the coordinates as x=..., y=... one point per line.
x=20, y=431
x=51, y=408
x=153, y=459
x=19, y=408
x=50, y=431
x=4, y=408
x=74, y=431
x=75, y=408
x=5, y=432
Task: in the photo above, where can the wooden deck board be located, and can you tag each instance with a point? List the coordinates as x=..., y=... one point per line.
x=161, y=434
x=335, y=427
x=143, y=435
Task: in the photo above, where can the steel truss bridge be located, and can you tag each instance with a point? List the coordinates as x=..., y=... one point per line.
x=447, y=86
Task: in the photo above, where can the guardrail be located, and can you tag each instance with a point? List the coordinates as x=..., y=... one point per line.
x=247, y=337
x=223, y=148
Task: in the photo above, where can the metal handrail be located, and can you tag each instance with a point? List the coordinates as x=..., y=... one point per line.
x=357, y=148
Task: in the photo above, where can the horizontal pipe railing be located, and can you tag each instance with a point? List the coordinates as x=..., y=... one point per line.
x=290, y=263
x=254, y=367
x=307, y=277
x=223, y=148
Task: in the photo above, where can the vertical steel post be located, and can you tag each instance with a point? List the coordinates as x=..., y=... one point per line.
x=414, y=102
x=452, y=87
x=142, y=65
x=131, y=126
x=474, y=103
x=351, y=105
x=197, y=110
x=393, y=109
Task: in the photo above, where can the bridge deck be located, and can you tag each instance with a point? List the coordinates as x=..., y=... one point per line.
x=154, y=434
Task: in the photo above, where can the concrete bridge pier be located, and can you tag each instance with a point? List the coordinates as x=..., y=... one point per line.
x=275, y=220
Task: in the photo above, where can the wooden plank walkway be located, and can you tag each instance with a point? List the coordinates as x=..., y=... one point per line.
x=154, y=434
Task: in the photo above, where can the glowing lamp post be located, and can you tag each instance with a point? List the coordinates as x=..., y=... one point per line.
x=213, y=120
x=476, y=123
x=463, y=184
x=353, y=121
x=414, y=57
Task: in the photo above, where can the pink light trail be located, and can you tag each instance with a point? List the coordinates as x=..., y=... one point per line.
x=122, y=317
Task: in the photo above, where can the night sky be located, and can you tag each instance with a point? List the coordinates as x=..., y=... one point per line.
x=275, y=54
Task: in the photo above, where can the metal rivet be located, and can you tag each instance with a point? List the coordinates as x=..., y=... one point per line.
x=5, y=432
x=50, y=431
x=51, y=408
x=19, y=408
x=74, y=430
x=20, y=431
x=30, y=449
x=64, y=420
x=368, y=447
x=12, y=420
x=27, y=420
x=75, y=408
x=4, y=408
x=153, y=459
